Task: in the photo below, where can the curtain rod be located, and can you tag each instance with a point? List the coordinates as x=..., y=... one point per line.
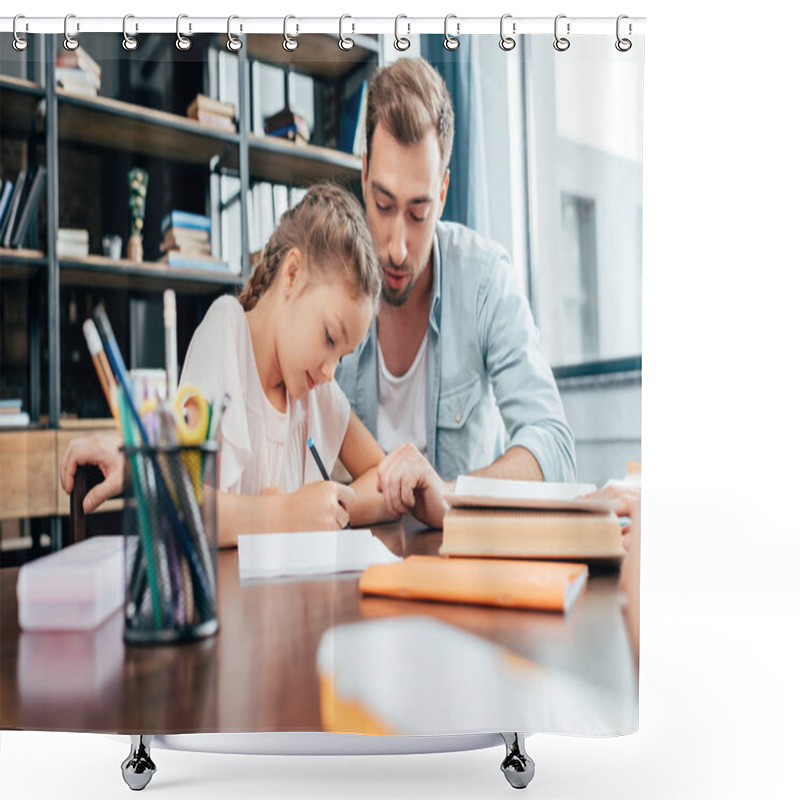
x=348, y=25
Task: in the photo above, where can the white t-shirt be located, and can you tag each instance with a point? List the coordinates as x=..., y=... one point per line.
x=260, y=446
x=401, y=403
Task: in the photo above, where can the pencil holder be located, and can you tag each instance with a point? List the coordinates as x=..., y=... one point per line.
x=170, y=526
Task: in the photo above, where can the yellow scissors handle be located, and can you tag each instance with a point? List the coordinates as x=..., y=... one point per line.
x=192, y=415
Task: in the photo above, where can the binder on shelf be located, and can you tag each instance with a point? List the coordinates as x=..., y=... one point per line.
x=8, y=220
x=354, y=120
x=5, y=197
x=31, y=207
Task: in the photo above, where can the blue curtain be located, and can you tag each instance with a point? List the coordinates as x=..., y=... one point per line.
x=467, y=197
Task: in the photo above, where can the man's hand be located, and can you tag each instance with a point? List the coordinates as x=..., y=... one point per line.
x=409, y=484
x=103, y=451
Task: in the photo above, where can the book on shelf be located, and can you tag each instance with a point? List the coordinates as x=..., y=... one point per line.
x=78, y=235
x=77, y=81
x=194, y=248
x=186, y=235
x=209, y=104
x=540, y=585
x=30, y=208
x=175, y=258
x=7, y=225
x=280, y=201
x=189, y=241
x=5, y=197
x=185, y=219
x=218, y=121
x=352, y=129
x=72, y=243
x=289, y=125
x=12, y=405
x=72, y=250
x=79, y=59
x=19, y=419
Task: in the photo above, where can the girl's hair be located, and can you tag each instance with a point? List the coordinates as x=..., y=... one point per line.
x=329, y=228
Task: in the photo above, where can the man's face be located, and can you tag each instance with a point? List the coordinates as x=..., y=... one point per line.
x=404, y=193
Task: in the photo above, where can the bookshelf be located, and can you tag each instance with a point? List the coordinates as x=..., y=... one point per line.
x=86, y=144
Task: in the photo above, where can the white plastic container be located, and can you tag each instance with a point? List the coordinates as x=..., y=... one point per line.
x=73, y=589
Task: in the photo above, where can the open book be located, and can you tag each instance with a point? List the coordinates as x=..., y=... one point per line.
x=496, y=493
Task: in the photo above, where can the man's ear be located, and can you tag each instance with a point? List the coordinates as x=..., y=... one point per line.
x=443, y=193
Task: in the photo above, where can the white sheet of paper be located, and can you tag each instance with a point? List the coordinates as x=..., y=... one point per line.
x=279, y=555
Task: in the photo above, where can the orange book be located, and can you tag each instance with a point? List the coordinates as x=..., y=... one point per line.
x=543, y=585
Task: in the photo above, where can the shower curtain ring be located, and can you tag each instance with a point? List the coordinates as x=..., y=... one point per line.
x=70, y=42
x=623, y=45
x=19, y=44
x=507, y=42
x=234, y=42
x=290, y=44
x=129, y=42
x=182, y=42
x=561, y=43
x=450, y=42
x=401, y=42
x=345, y=42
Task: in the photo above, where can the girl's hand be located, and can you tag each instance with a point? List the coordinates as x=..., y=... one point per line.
x=322, y=506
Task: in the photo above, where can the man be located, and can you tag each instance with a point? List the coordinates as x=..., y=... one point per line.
x=450, y=378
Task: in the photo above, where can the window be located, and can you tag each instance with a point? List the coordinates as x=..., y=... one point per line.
x=585, y=201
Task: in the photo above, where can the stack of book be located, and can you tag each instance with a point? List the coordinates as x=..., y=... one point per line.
x=72, y=243
x=186, y=242
x=19, y=204
x=213, y=113
x=499, y=542
x=12, y=415
x=77, y=72
x=288, y=124
x=529, y=519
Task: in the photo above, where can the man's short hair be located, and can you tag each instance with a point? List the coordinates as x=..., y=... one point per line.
x=410, y=97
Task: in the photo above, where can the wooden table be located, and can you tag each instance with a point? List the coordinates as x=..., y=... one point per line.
x=259, y=672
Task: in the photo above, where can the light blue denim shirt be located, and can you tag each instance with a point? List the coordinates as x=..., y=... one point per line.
x=489, y=386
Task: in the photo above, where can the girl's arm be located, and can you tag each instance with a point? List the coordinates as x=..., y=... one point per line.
x=319, y=506
x=361, y=454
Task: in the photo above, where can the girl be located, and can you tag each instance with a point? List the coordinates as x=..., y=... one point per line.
x=309, y=301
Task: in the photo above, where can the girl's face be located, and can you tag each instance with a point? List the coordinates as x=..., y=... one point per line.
x=322, y=319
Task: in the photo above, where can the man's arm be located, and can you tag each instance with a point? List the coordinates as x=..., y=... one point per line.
x=517, y=463
x=522, y=383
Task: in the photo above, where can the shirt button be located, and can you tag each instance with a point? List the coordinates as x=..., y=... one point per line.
x=458, y=416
